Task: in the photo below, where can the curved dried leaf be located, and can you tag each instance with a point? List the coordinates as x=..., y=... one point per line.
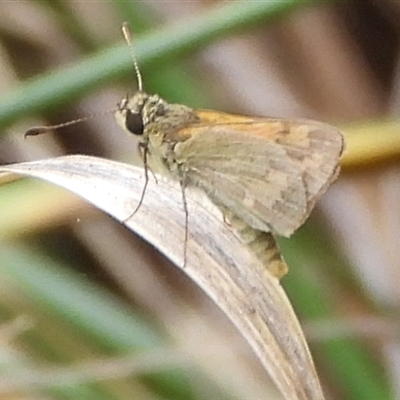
x=216, y=258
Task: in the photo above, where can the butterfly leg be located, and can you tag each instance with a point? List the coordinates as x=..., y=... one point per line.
x=144, y=153
x=185, y=208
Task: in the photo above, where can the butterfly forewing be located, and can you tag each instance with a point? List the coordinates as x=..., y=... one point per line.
x=270, y=177
x=315, y=148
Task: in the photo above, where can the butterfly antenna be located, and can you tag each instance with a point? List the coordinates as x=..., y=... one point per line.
x=128, y=38
x=39, y=130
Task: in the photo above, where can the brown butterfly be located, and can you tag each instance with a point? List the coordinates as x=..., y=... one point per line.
x=266, y=173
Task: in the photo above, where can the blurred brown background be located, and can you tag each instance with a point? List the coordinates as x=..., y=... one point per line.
x=336, y=61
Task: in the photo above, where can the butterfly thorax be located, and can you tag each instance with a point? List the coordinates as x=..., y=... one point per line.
x=158, y=125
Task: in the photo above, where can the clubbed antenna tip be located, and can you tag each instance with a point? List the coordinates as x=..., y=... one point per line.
x=128, y=38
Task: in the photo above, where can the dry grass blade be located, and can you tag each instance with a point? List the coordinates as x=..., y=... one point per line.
x=216, y=259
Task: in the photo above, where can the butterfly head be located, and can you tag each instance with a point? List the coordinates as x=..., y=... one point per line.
x=136, y=112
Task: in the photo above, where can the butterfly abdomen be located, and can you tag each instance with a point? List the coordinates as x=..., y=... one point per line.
x=262, y=244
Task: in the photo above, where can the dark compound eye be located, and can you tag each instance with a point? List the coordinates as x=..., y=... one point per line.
x=134, y=123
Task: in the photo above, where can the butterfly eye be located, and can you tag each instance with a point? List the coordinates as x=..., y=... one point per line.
x=134, y=123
